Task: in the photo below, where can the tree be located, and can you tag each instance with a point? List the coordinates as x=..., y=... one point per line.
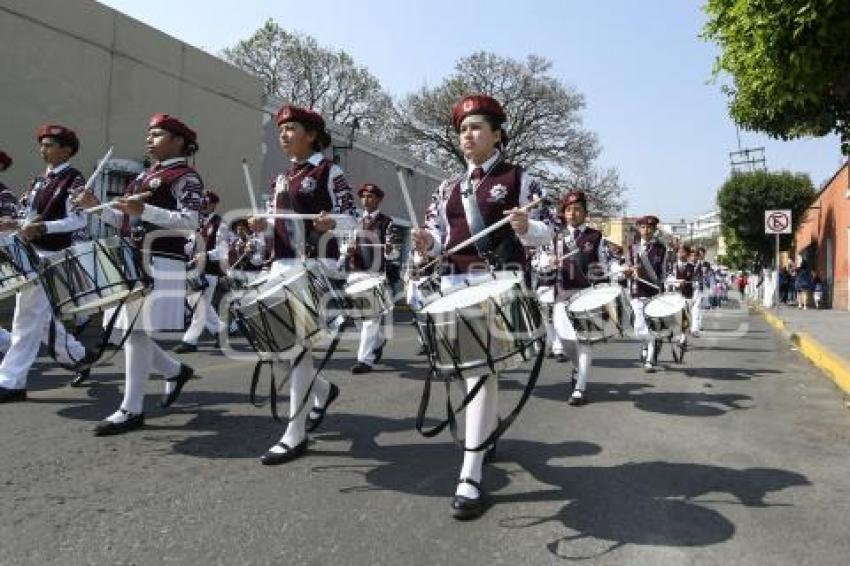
x=789, y=61
x=544, y=124
x=744, y=197
x=296, y=69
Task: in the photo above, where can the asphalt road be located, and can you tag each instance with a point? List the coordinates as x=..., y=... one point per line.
x=739, y=456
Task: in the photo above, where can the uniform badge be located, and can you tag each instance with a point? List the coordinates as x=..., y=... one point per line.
x=308, y=185
x=468, y=105
x=498, y=193
x=281, y=185
x=155, y=183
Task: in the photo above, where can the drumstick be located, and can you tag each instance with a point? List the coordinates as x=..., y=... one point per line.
x=297, y=216
x=482, y=233
x=411, y=212
x=105, y=205
x=249, y=185
x=98, y=169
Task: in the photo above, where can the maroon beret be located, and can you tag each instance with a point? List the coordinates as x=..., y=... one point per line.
x=648, y=220
x=61, y=134
x=5, y=160
x=211, y=196
x=289, y=113
x=243, y=221
x=574, y=197
x=370, y=188
x=174, y=126
x=477, y=104
x=685, y=247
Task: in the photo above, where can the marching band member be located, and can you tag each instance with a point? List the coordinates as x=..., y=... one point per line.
x=377, y=232
x=49, y=221
x=544, y=281
x=8, y=210
x=207, y=262
x=682, y=279
x=489, y=190
x=646, y=275
x=160, y=208
x=313, y=185
x=583, y=259
x=245, y=250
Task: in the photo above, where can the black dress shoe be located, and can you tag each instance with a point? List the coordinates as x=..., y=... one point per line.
x=185, y=348
x=466, y=508
x=109, y=428
x=12, y=395
x=312, y=422
x=179, y=380
x=276, y=458
x=360, y=367
x=80, y=377
x=562, y=358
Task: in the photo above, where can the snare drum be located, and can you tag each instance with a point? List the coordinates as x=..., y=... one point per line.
x=93, y=276
x=285, y=311
x=667, y=315
x=369, y=297
x=18, y=266
x=599, y=313
x=484, y=328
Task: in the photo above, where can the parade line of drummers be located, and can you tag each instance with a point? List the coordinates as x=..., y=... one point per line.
x=499, y=276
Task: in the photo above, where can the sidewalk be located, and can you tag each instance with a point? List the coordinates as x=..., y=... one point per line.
x=823, y=336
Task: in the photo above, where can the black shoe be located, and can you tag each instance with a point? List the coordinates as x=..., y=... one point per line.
x=550, y=354
x=276, y=458
x=577, y=399
x=379, y=352
x=314, y=422
x=361, y=367
x=108, y=428
x=12, y=395
x=562, y=358
x=180, y=380
x=217, y=344
x=80, y=378
x=466, y=508
x=185, y=348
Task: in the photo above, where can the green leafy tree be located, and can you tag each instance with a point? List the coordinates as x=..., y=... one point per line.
x=744, y=197
x=789, y=61
x=544, y=125
x=296, y=69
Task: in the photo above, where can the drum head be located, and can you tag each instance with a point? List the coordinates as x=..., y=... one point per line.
x=594, y=298
x=664, y=305
x=469, y=296
x=364, y=284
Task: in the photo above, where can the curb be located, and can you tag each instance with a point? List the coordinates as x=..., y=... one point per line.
x=834, y=366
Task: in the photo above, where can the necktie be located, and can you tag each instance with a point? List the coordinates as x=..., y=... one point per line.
x=477, y=174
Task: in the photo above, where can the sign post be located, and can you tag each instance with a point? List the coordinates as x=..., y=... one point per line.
x=777, y=222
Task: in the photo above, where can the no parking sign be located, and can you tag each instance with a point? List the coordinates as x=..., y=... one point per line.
x=777, y=221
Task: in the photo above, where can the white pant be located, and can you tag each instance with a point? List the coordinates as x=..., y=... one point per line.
x=552, y=337
x=696, y=311
x=204, y=315
x=641, y=328
x=29, y=330
x=142, y=356
x=580, y=353
x=371, y=338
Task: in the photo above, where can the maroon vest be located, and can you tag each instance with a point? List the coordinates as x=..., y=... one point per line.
x=686, y=272
x=49, y=204
x=363, y=257
x=497, y=193
x=655, y=259
x=574, y=269
x=308, y=194
x=159, y=182
x=209, y=234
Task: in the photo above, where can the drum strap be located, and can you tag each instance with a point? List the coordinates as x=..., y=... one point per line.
x=273, y=387
x=452, y=412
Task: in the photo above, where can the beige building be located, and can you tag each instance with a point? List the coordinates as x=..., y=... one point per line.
x=103, y=74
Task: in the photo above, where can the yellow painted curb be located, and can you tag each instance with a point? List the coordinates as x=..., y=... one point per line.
x=833, y=365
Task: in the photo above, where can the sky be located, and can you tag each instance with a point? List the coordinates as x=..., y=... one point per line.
x=644, y=72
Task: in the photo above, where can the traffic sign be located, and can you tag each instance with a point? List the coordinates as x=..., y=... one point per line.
x=777, y=221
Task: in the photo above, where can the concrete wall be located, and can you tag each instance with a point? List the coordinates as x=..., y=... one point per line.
x=367, y=161
x=828, y=220
x=101, y=73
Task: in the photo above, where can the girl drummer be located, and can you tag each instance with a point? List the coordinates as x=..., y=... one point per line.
x=313, y=185
x=489, y=190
